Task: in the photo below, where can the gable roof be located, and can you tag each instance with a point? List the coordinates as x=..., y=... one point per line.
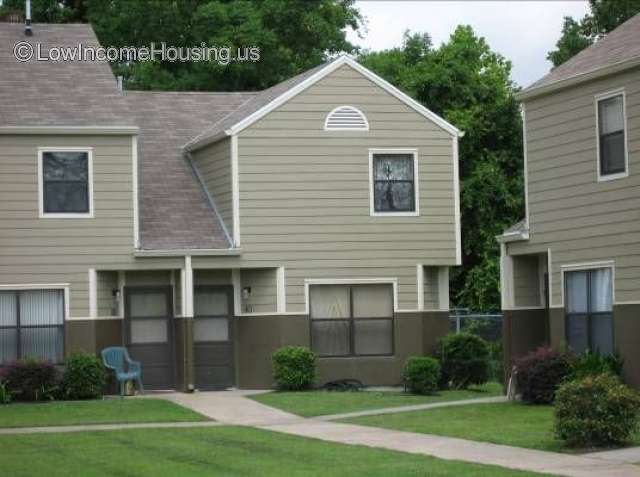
x=266, y=101
x=57, y=94
x=175, y=213
x=617, y=51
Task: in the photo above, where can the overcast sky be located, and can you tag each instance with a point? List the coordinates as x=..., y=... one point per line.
x=522, y=31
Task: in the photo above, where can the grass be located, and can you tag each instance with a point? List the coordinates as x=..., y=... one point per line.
x=513, y=424
x=228, y=451
x=94, y=412
x=321, y=403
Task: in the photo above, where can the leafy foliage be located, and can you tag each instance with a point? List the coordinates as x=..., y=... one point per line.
x=540, y=373
x=596, y=411
x=605, y=16
x=84, y=377
x=468, y=84
x=5, y=394
x=465, y=360
x=593, y=363
x=421, y=375
x=294, y=368
x=31, y=380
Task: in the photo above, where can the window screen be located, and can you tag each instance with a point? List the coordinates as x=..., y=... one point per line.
x=393, y=183
x=65, y=182
x=611, y=135
x=32, y=325
x=352, y=320
x=589, y=304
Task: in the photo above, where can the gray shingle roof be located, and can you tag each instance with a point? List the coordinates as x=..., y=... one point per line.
x=621, y=44
x=174, y=211
x=518, y=227
x=70, y=93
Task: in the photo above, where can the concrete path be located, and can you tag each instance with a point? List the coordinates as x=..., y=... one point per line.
x=232, y=407
x=104, y=427
x=630, y=455
x=413, y=407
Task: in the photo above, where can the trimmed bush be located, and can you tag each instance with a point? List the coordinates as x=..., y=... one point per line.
x=31, y=380
x=593, y=363
x=540, y=373
x=84, y=377
x=596, y=411
x=294, y=368
x=421, y=375
x=465, y=360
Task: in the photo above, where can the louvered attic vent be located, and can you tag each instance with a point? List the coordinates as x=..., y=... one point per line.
x=346, y=118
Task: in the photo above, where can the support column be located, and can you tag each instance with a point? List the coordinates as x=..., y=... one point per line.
x=281, y=296
x=443, y=288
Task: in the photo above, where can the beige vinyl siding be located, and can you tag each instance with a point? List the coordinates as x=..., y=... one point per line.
x=431, y=292
x=263, y=290
x=213, y=162
x=580, y=219
x=56, y=251
x=526, y=281
x=106, y=283
x=212, y=277
x=304, y=192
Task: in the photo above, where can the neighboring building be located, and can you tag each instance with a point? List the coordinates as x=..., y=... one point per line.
x=571, y=268
x=205, y=230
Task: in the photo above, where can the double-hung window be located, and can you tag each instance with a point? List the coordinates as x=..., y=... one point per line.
x=352, y=320
x=589, y=305
x=394, y=185
x=612, y=149
x=65, y=183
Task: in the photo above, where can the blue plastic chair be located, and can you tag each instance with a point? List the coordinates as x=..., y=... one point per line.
x=114, y=358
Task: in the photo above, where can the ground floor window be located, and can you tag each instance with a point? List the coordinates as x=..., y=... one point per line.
x=351, y=320
x=589, y=310
x=32, y=325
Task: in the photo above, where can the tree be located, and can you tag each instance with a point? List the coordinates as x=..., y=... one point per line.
x=605, y=16
x=470, y=86
x=293, y=35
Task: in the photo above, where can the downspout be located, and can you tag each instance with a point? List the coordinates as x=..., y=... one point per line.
x=27, y=19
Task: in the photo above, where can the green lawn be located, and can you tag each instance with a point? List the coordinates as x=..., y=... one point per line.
x=513, y=424
x=228, y=451
x=321, y=403
x=94, y=412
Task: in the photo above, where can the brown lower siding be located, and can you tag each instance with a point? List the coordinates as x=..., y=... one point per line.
x=524, y=331
x=92, y=336
x=258, y=337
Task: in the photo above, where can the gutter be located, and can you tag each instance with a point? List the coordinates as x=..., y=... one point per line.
x=191, y=252
x=513, y=237
x=81, y=130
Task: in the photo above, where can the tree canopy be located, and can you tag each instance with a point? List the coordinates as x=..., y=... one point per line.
x=605, y=16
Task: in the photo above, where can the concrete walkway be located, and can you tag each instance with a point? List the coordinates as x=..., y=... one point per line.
x=630, y=455
x=104, y=427
x=233, y=408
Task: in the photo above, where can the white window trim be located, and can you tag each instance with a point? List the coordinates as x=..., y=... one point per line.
x=359, y=129
x=416, y=184
x=600, y=97
x=65, y=215
x=350, y=281
x=574, y=267
x=44, y=286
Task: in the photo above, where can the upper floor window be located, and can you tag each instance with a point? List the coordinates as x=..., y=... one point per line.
x=65, y=183
x=394, y=187
x=612, y=150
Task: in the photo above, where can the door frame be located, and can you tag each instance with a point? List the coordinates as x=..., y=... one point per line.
x=167, y=290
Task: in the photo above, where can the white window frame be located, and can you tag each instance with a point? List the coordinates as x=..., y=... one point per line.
x=364, y=118
x=601, y=97
x=350, y=281
x=65, y=215
x=416, y=184
x=577, y=267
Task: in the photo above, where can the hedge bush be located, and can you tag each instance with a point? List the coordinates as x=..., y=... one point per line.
x=540, y=373
x=596, y=411
x=593, y=363
x=31, y=380
x=294, y=368
x=84, y=377
x=421, y=375
x=465, y=360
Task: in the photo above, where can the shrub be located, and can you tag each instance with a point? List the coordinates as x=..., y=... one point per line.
x=31, y=379
x=294, y=368
x=465, y=360
x=540, y=373
x=421, y=375
x=596, y=411
x=84, y=377
x=5, y=394
x=593, y=363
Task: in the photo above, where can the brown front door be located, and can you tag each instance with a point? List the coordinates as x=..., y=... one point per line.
x=213, y=353
x=149, y=334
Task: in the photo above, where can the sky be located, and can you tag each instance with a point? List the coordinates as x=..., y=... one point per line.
x=522, y=31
